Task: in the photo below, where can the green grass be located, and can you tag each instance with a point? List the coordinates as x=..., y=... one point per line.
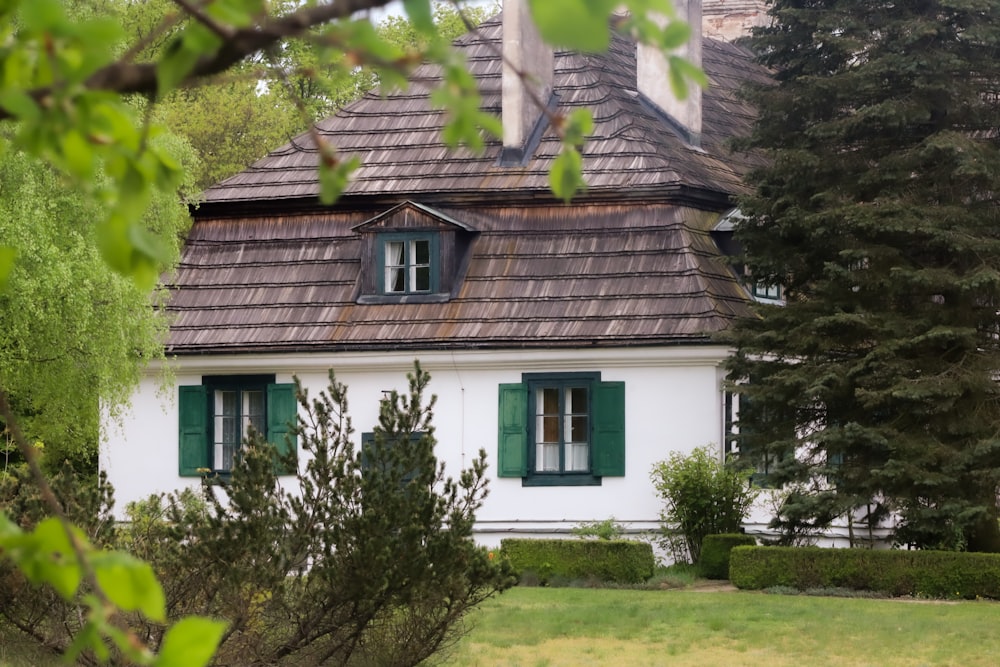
x=553, y=627
x=547, y=627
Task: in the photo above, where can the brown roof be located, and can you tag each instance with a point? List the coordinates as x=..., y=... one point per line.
x=538, y=276
x=631, y=262
x=631, y=150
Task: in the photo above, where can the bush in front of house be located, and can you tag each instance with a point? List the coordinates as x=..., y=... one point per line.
x=702, y=496
x=714, y=562
x=368, y=561
x=615, y=561
x=932, y=574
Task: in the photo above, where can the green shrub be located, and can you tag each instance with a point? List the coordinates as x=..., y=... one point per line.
x=609, y=529
x=702, y=496
x=714, y=562
x=933, y=574
x=618, y=561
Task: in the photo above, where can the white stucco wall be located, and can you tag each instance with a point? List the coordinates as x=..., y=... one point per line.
x=673, y=403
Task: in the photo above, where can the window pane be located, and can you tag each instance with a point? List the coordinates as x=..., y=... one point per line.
x=420, y=279
x=227, y=429
x=394, y=280
x=578, y=428
x=548, y=399
x=394, y=253
x=577, y=458
x=547, y=457
x=395, y=269
x=420, y=252
x=253, y=411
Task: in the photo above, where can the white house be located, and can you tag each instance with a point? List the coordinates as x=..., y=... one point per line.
x=572, y=342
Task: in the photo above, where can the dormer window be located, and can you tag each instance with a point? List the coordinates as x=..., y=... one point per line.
x=413, y=254
x=766, y=292
x=410, y=263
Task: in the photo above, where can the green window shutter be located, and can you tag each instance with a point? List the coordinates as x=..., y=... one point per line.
x=192, y=452
x=282, y=411
x=609, y=429
x=512, y=455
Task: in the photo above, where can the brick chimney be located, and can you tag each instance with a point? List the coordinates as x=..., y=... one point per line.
x=731, y=19
x=652, y=81
x=523, y=52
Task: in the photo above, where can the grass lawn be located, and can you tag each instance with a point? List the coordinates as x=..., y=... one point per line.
x=546, y=627
x=550, y=627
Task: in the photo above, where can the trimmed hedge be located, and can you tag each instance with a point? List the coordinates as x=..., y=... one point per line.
x=618, y=561
x=714, y=561
x=935, y=574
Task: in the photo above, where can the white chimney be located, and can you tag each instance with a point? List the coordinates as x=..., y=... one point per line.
x=527, y=76
x=651, y=74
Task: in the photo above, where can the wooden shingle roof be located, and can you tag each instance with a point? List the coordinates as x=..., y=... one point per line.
x=631, y=150
x=630, y=262
x=539, y=276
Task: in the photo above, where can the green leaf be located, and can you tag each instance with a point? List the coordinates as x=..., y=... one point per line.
x=18, y=103
x=175, y=65
x=675, y=35
x=130, y=583
x=581, y=25
x=191, y=642
x=334, y=176
x=87, y=638
x=681, y=72
x=41, y=16
x=566, y=174
x=421, y=16
x=45, y=555
x=79, y=154
x=577, y=127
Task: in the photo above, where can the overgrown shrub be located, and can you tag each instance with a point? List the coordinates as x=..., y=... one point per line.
x=702, y=496
x=934, y=574
x=545, y=561
x=714, y=561
x=38, y=612
x=369, y=561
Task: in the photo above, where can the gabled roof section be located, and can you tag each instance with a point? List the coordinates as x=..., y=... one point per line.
x=410, y=215
x=632, y=152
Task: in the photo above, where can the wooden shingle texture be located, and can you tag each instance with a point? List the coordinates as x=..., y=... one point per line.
x=631, y=150
x=629, y=262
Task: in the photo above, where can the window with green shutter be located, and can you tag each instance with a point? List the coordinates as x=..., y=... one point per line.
x=216, y=415
x=561, y=429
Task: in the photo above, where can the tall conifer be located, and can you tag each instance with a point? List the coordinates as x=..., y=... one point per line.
x=874, y=387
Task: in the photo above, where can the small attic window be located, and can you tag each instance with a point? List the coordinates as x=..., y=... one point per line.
x=410, y=263
x=412, y=253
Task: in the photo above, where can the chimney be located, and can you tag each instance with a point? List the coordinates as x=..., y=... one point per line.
x=652, y=81
x=731, y=19
x=523, y=51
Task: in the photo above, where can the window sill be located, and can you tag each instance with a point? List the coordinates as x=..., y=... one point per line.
x=583, y=479
x=433, y=297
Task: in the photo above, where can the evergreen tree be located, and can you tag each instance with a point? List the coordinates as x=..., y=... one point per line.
x=875, y=386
